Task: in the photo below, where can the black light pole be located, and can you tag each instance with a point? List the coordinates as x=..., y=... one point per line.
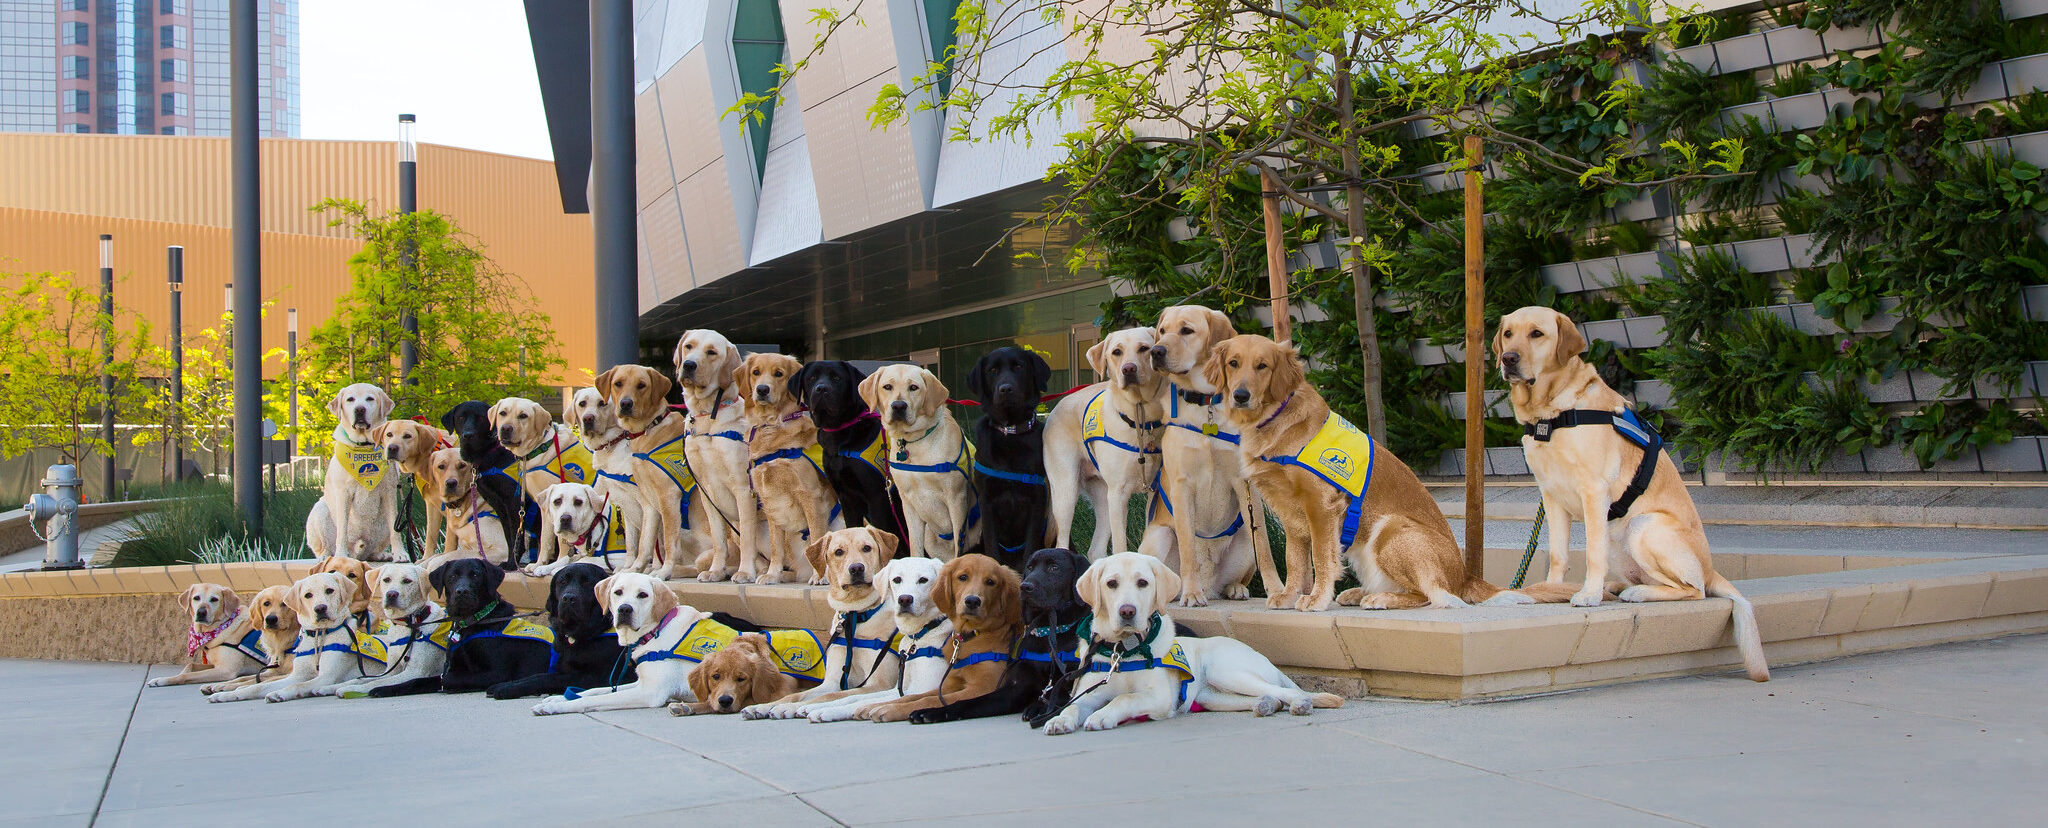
x=107, y=363
x=291, y=357
x=175, y=273
x=408, y=203
x=248, y=244
x=612, y=208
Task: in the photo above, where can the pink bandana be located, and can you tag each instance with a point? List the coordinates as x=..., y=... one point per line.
x=197, y=642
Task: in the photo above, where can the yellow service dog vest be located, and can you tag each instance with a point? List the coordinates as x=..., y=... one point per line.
x=1341, y=455
x=798, y=650
x=570, y=462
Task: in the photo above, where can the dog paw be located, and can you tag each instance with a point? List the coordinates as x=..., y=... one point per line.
x=679, y=708
x=1193, y=598
x=1101, y=720
x=1302, y=706
x=767, y=578
x=827, y=716
x=1586, y=598
x=223, y=697
x=1236, y=592
x=712, y=576
x=1316, y=602
x=279, y=696
x=1377, y=600
x=1635, y=595
x=1060, y=725
x=743, y=577
x=1284, y=600
x=549, y=707
x=1266, y=706
x=1507, y=598
x=1351, y=597
x=160, y=681
x=663, y=573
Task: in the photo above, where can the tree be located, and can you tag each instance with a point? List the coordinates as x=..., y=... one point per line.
x=1321, y=99
x=207, y=418
x=58, y=335
x=481, y=334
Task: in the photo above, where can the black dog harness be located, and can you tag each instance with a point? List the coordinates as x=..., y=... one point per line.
x=1630, y=427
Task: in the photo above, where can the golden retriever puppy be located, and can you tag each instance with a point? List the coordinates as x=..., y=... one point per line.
x=359, y=496
x=411, y=444
x=716, y=446
x=930, y=461
x=278, y=629
x=548, y=451
x=473, y=529
x=743, y=673
x=787, y=467
x=981, y=597
x=1341, y=495
x=1138, y=669
x=1104, y=440
x=1206, y=505
x=1597, y=464
x=859, y=657
x=221, y=643
x=612, y=456
x=662, y=476
x=357, y=574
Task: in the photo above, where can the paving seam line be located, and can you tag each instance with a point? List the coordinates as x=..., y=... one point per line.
x=724, y=764
x=119, y=747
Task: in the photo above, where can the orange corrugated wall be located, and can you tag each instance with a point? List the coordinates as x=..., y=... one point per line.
x=58, y=193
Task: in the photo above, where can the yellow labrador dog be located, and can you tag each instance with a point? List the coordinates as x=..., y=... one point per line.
x=473, y=529
x=921, y=626
x=663, y=479
x=411, y=444
x=1204, y=507
x=716, y=447
x=359, y=497
x=328, y=652
x=659, y=635
x=278, y=629
x=787, y=466
x=1597, y=464
x=548, y=452
x=1137, y=667
x=222, y=643
x=1104, y=440
x=412, y=631
x=612, y=456
x=859, y=658
x=585, y=525
x=930, y=461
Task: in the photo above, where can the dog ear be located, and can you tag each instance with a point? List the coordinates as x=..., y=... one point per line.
x=555, y=587
x=700, y=683
x=887, y=542
x=293, y=601
x=186, y=597
x=229, y=601
x=384, y=405
x=798, y=384
x=370, y=577
x=664, y=601
x=974, y=376
x=1494, y=346
x=1089, y=585
x=1165, y=584
x=1008, y=599
x=867, y=392
x=1220, y=328
x=493, y=577
x=604, y=384
x=603, y=592
x=1288, y=372
x=942, y=589
x=815, y=552
x=1041, y=371
x=739, y=375
x=1213, y=370
x=935, y=395
x=768, y=683
x=1570, y=343
x=438, y=579
x=1095, y=353
x=334, y=403
x=377, y=434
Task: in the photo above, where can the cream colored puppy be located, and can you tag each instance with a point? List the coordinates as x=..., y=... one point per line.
x=415, y=642
x=584, y=524
x=1585, y=469
x=1205, y=507
x=612, y=455
x=359, y=497
x=920, y=626
x=1137, y=667
x=716, y=448
x=930, y=461
x=644, y=612
x=221, y=644
x=1104, y=440
x=327, y=654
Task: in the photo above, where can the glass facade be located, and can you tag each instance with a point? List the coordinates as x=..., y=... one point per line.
x=143, y=66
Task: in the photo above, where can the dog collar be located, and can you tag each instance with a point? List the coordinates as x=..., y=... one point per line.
x=1276, y=411
x=609, y=443
x=316, y=634
x=602, y=521
x=864, y=415
x=1115, y=649
x=476, y=617
x=1054, y=630
x=1193, y=397
x=1147, y=425
x=717, y=404
x=1030, y=424
x=658, y=418
x=341, y=435
x=791, y=416
x=656, y=631
x=196, y=641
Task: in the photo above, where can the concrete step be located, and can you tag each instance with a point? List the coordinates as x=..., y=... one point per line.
x=1935, y=506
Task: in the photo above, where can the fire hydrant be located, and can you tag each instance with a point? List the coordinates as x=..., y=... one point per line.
x=55, y=509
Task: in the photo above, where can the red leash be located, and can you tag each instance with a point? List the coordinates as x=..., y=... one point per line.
x=1045, y=399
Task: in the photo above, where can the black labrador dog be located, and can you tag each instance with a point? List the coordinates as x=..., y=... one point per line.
x=1040, y=679
x=855, y=449
x=1009, y=463
x=587, y=652
x=487, y=647
x=497, y=473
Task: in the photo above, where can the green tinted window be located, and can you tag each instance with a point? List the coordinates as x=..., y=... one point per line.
x=757, y=44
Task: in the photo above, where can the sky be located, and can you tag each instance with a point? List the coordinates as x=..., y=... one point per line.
x=465, y=67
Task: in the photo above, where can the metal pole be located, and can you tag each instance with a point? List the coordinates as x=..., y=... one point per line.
x=408, y=203
x=1276, y=258
x=291, y=358
x=248, y=245
x=612, y=208
x=1475, y=358
x=107, y=483
x=176, y=275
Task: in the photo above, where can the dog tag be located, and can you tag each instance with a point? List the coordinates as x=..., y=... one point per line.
x=1210, y=429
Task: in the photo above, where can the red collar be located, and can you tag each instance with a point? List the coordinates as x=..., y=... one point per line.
x=635, y=435
x=865, y=415
x=604, y=519
x=671, y=616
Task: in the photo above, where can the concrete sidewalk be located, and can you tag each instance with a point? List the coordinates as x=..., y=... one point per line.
x=1956, y=732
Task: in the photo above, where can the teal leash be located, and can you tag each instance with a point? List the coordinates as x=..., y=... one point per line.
x=1529, y=553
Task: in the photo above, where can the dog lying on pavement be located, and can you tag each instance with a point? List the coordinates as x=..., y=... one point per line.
x=277, y=628
x=222, y=644
x=920, y=627
x=587, y=653
x=860, y=655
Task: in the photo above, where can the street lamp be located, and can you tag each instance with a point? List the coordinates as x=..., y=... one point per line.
x=175, y=274
x=408, y=203
x=107, y=362
x=291, y=356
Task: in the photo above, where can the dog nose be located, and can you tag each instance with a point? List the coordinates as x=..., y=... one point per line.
x=1159, y=357
x=725, y=702
x=270, y=621
x=905, y=601
x=391, y=452
x=1510, y=358
x=626, y=405
x=899, y=406
x=1127, y=612
x=320, y=610
x=1130, y=369
x=1241, y=396
x=761, y=390
x=1006, y=389
x=689, y=366
x=391, y=597
x=589, y=424
x=972, y=601
x=856, y=569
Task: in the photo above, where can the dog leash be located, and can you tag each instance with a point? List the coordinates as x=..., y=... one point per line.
x=1529, y=553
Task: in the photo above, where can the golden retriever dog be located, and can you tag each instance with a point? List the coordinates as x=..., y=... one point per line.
x=1573, y=435
x=786, y=464
x=612, y=456
x=221, y=644
x=662, y=637
x=716, y=446
x=357, y=574
x=1137, y=667
x=360, y=494
x=278, y=630
x=548, y=451
x=930, y=461
x=331, y=649
x=1199, y=524
x=860, y=657
x=1340, y=495
x=663, y=479
x=921, y=626
x=981, y=598
x=1104, y=440
x=588, y=526
x=474, y=531
x=411, y=444
x=741, y=674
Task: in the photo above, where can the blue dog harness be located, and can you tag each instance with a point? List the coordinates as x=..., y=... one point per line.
x=1175, y=660
x=951, y=466
x=1174, y=396
x=1094, y=430
x=360, y=644
x=1625, y=423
